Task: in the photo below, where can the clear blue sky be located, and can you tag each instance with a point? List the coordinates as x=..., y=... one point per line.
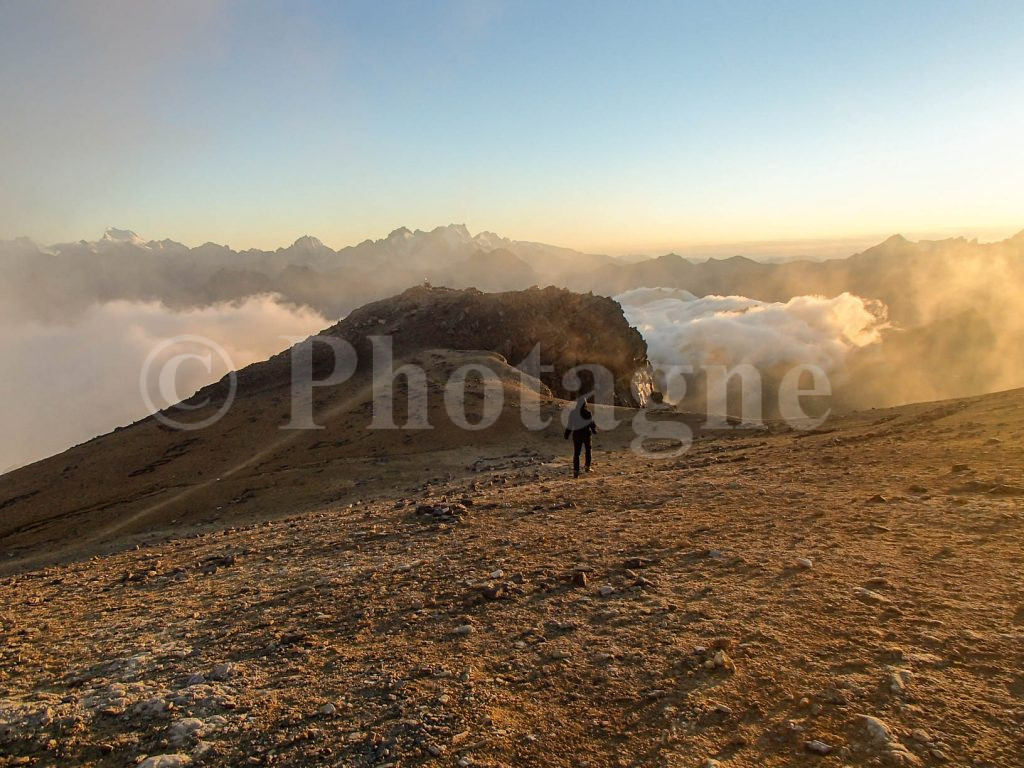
x=605, y=126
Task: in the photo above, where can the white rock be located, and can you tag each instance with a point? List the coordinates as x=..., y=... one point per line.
x=181, y=731
x=817, y=747
x=151, y=707
x=879, y=732
x=722, y=659
x=883, y=738
x=898, y=680
x=203, y=748
x=869, y=596
x=165, y=761
x=222, y=671
x=805, y=562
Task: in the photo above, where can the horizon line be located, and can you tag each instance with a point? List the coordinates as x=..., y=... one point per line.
x=981, y=235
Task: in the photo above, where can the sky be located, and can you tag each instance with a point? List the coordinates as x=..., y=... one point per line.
x=609, y=127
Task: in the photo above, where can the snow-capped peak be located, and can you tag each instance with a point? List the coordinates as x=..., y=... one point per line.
x=309, y=243
x=112, y=235
x=461, y=230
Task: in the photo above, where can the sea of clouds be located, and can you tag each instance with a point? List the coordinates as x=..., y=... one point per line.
x=77, y=379
x=66, y=382
x=683, y=329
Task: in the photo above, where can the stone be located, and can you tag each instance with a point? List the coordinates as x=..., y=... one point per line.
x=165, y=761
x=637, y=562
x=868, y=596
x=722, y=660
x=151, y=707
x=182, y=731
x=464, y=629
x=222, y=671
x=579, y=579
x=328, y=710
x=493, y=591
x=877, y=730
x=203, y=749
x=884, y=739
x=817, y=747
x=898, y=681
x=804, y=562
x=605, y=590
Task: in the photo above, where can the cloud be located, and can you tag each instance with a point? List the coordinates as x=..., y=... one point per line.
x=682, y=329
x=63, y=384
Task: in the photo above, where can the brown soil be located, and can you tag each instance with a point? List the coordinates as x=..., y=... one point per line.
x=653, y=613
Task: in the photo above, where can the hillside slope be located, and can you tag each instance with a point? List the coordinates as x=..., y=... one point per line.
x=846, y=597
x=152, y=477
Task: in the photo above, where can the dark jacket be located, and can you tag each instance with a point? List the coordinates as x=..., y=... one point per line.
x=588, y=427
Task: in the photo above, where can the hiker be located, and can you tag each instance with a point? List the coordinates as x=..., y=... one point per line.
x=581, y=427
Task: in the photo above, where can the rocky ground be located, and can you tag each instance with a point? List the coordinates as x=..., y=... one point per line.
x=849, y=597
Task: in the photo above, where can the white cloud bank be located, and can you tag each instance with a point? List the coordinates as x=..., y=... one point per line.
x=682, y=329
x=63, y=384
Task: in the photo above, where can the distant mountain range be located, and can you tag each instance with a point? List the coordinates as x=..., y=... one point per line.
x=911, y=278
x=953, y=328
x=61, y=280
x=57, y=282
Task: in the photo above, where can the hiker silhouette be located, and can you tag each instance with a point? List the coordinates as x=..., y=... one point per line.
x=581, y=427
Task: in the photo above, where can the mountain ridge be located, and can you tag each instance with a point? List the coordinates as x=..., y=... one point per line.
x=122, y=266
